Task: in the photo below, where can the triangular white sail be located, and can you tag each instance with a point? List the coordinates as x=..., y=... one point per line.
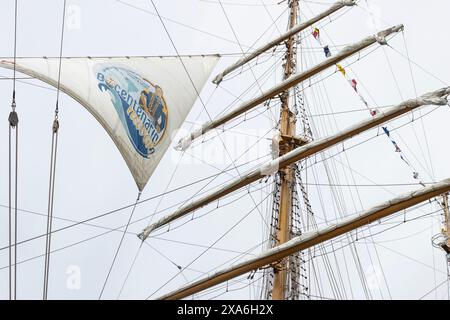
x=139, y=101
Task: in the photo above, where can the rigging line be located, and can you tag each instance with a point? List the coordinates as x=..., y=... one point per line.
x=270, y=15
x=60, y=58
x=353, y=242
x=381, y=267
x=242, y=50
x=237, y=289
x=360, y=174
x=338, y=196
x=369, y=139
x=13, y=124
x=336, y=201
x=217, y=168
x=53, y=155
x=348, y=243
x=15, y=50
x=274, y=120
x=311, y=84
x=391, y=69
x=181, y=60
x=50, y=212
x=178, y=23
x=219, y=136
x=84, y=222
x=10, y=220
x=236, y=259
x=228, y=166
x=332, y=114
x=116, y=210
x=410, y=235
x=193, y=217
x=206, y=250
x=129, y=272
x=229, y=3
x=167, y=258
x=266, y=74
x=434, y=289
x=16, y=78
x=265, y=31
x=151, y=219
x=359, y=198
x=408, y=257
x=119, y=246
x=134, y=234
x=410, y=65
x=233, y=260
x=420, y=111
x=13, y=238
x=21, y=80
x=110, y=230
x=418, y=66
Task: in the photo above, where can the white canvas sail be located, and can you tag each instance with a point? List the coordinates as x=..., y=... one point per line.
x=139, y=101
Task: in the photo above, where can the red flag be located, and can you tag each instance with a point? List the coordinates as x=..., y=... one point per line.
x=354, y=84
x=316, y=33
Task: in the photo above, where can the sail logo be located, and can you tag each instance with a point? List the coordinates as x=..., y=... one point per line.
x=139, y=103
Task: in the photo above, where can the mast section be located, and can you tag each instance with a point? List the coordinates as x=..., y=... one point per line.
x=287, y=174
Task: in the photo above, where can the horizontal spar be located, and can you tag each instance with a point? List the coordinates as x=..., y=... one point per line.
x=438, y=97
x=298, y=28
x=348, y=51
x=311, y=239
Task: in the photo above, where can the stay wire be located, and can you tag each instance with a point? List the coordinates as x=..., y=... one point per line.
x=197, y=92
x=51, y=193
x=15, y=50
x=13, y=124
x=120, y=245
x=54, y=149
x=13, y=261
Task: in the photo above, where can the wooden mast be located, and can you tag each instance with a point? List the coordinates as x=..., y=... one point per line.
x=287, y=174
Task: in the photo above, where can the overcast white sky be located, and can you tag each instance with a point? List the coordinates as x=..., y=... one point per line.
x=92, y=178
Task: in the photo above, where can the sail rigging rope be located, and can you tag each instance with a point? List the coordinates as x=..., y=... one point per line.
x=53, y=154
x=201, y=101
x=125, y=207
x=119, y=246
x=157, y=237
x=86, y=221
x=206, y=250
x=13, y=126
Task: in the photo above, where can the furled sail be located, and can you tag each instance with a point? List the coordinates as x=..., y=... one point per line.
x=139, y=101
x=298, y=28
x=297, y=78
